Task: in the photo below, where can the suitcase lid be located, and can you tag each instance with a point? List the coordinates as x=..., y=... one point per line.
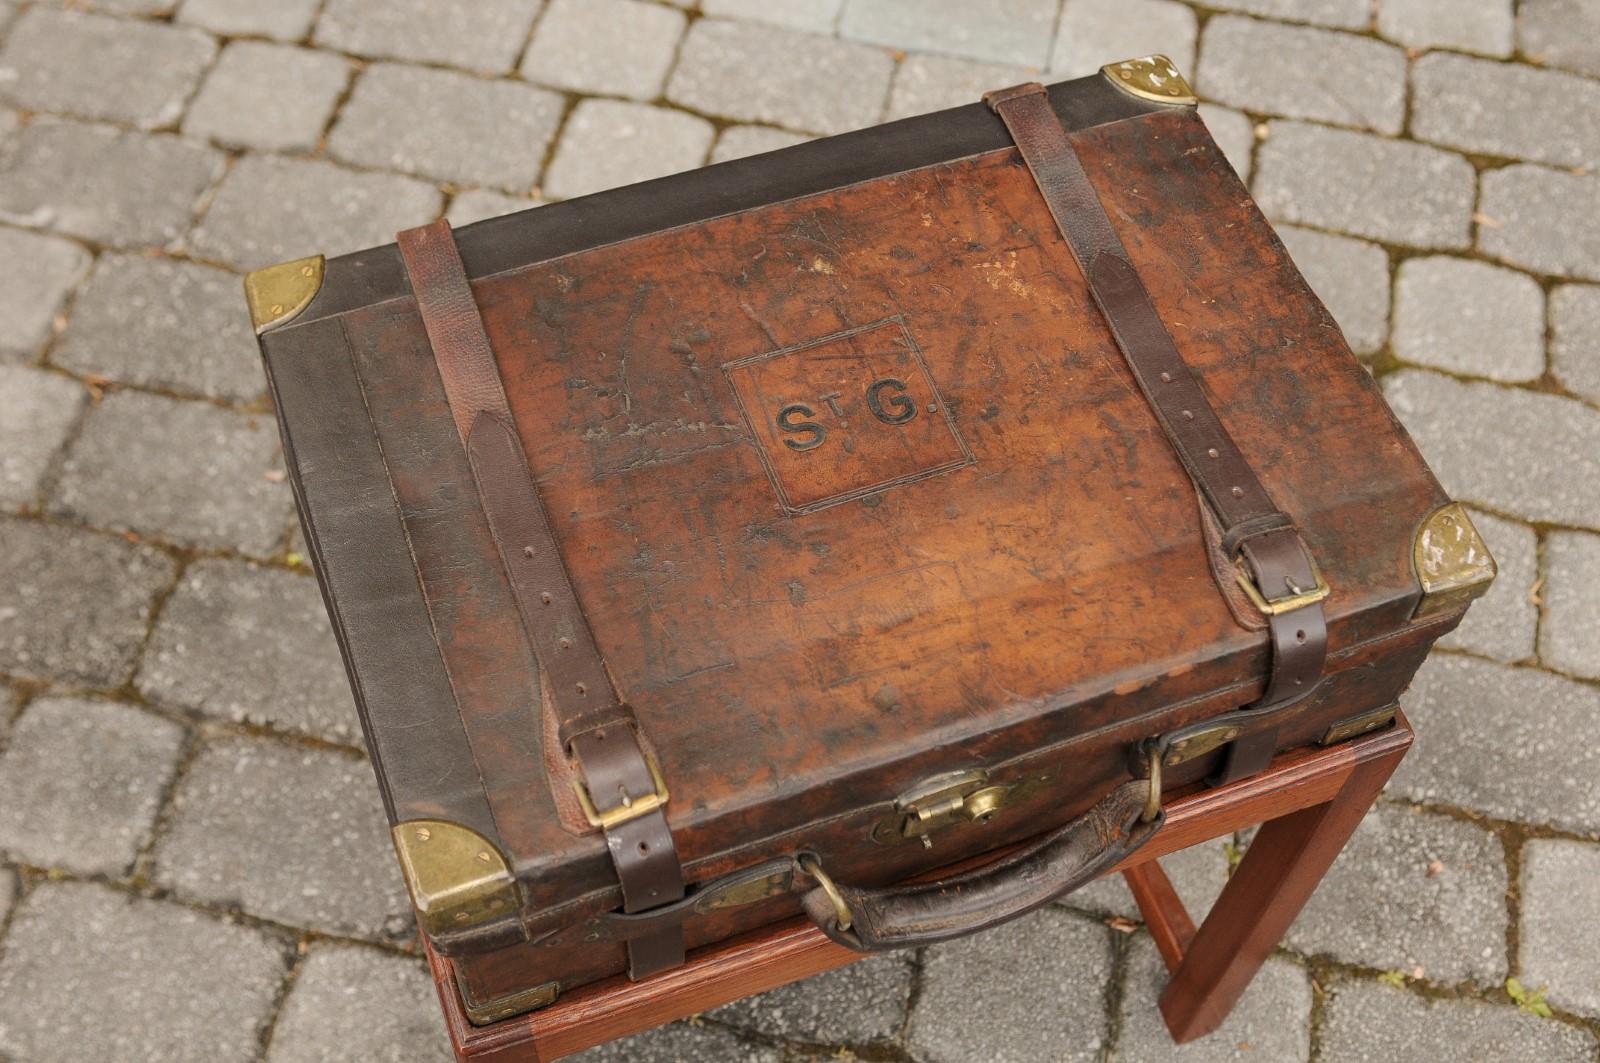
x=849, y=476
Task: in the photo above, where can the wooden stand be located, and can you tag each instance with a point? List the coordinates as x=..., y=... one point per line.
x=1309, y=802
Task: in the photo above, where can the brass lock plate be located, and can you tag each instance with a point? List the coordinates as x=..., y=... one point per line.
x=949, y=800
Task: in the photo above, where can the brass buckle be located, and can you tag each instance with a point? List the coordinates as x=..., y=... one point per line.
x=631, y=808
x=1295, y=599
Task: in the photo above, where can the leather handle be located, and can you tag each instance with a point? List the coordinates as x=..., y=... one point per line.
x=928, y=912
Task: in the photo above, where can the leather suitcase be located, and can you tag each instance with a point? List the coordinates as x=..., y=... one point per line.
x=753, y=540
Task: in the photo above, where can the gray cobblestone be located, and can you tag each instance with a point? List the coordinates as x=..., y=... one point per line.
x=1003, y=1022
x=1543, y=220
x=81, y=781
x=303, y=86
x=355, y=1005
x=1365, y=185
x=252, y=645
x=856, y=1005
x=1198, y=873
x=1388, y=903
x=1351, y=277
x=736, y=142
x=1264, y=66
x=924, y=83
x=1271, y=1021
x=184, y=471
x=37, y=409
x=113, y=187
x=476, y=204
x=1234, y=133
x=764, y=74
x=679, y=1043
x=162, y=323
x=120, y=7
x=1096, y=32
x=90, y=973
x=30, y=298
x=1469, y=317
x=1569, y=639
x=1344, y=14
x=1484, y=27
x=1536, y=456
x=608, y=143
x=1500, y=740
x=447, y=126
x=290, y=834
x=630, y=59
x=1575, y=338
x=813, y=16
x=997, y=31
x=1560, y=945
x=74, y=604
x=269, y=210
x=8, y=890
x=284, y=20
x=97, y=67
x=1564, y=33
x=1501, y=624
x=1494, y=108
x=485, y=35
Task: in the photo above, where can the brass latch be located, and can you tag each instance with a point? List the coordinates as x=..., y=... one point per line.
x=946, y=800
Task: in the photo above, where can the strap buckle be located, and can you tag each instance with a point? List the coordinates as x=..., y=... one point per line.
x=1296, y=598
x=628, y=807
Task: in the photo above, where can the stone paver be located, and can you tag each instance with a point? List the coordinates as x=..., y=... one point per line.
x=814, y=16
x=1413, y=889
x=926, y=83
x=1270, y=1022
x=631, y=58
x=356, y=1005
x=447, y=126
x=485, y=35
x=765, y=74
x=1345, y=14
x=166, y=324
x=1234, y=133
x=1365, y=185
x=37, y=410
x=272, y=209
x=1469, y=317
x=1492, y=108
x=184, y=471
x=998, y=31
x=1544, y=220
x=1560, y=949
x=1484, y=26
x=1351, y=277
x=855, y=1005
x=249, y=644
x=124, y=975
x=104, y=184
x=1533, y=455
x=1501, y=624
x=1367, y=1022
x=1569, y=639
x=1096, y=32
x=736, y=142
x=476, y=204
x=1303, y=72
x=98, y=67
x=30, y=298
x=1575, y=338
x=1500, y=740
x=81, y=781
x=8, y=893
x=288, y=834
x=1003, y=1023
x=1564, y=33
x=302, y=85
x=74, y=605
x=607, y=143
x=680, y=1043
x=285, y=20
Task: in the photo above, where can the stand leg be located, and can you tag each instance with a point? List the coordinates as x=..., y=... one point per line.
x=1281, y=869
x=1163, y=911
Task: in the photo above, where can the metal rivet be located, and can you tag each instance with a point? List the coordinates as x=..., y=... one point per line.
x=277, y=308
x=527, y=551
x=306, y=271
x=461, y=917
x=566, y=644
x=1238, y=492
x=423, y=834
x=1166, y=378
x=582, y=689
x=1212, y=453
x=544, y=596
x=1188, y=415
x=484, y=857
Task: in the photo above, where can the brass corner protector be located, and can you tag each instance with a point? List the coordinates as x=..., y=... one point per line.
x=530, y=999
x=457, y=878
x=1453, y=563
x=278, y=293
x=1151, y=77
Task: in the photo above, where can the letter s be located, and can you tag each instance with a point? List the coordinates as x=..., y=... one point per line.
x=814, y=432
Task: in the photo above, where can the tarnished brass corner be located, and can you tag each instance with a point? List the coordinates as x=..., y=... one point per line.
x=531, y=999
x=458, y=879
x=1453, y=563
x=278, y=293
x=1151, y=77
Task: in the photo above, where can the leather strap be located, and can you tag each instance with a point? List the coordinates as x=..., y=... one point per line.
x=1254, y=531
x=597, y=730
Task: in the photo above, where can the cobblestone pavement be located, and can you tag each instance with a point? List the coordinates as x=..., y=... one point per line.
x=193, y=860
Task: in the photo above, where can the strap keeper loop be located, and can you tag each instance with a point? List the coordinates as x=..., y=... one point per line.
x=1234, y=538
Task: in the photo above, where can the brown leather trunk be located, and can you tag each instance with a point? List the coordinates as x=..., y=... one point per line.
x=884, y=549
